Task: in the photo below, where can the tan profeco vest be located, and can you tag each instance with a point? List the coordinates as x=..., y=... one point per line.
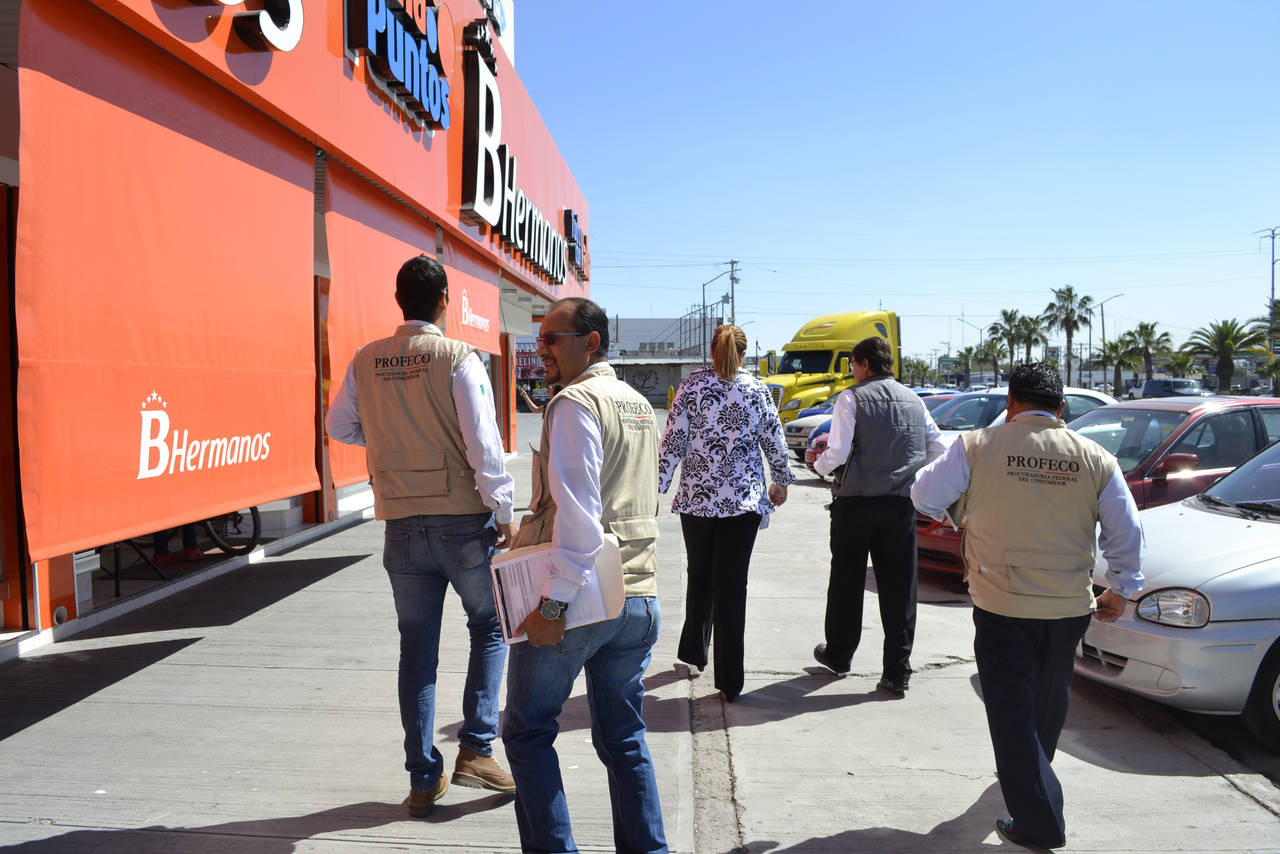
x=1032, y=506
x=416, y=454
x=628, y=474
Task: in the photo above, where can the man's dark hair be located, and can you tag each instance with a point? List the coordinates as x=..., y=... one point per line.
x=1038, y=384
x=589, y=317
x=876, y=353
x=419, y=285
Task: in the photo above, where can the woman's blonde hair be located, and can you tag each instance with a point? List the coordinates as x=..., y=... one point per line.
x=728, y=344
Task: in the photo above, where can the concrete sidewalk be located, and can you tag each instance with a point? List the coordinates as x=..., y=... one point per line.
x=257, y=713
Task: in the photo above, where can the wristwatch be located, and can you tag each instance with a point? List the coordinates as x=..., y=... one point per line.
x=551, y=609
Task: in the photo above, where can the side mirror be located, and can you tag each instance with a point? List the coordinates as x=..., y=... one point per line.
x=770, y=364
x=844, y=366
x=1176, y=463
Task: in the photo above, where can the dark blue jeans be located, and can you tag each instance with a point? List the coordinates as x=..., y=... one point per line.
x=423, y=555
x=615, y=654
x=1025, y=668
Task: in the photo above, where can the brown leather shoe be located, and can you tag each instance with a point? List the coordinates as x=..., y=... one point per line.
x=476, y=771
x=420, y=803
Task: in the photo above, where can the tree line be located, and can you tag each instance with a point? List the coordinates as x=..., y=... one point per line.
x=1144, y=347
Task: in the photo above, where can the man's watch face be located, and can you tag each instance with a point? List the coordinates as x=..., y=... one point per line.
x=551, y=609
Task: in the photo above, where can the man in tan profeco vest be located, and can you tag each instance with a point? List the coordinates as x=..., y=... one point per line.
x=422, y=406
x=600, y=453
x=1034, y=492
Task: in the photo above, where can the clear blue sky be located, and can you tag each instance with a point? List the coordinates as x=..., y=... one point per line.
x=934, y=158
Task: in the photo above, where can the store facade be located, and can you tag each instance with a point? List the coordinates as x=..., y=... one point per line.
x=204, y=215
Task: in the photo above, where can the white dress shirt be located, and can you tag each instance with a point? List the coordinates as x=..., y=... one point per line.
x=1122, y=542
x=840, y=440
x=573, y=476
x=477, y=417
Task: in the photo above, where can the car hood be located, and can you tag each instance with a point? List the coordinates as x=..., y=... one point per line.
x=1190, y=547
x=807, y=421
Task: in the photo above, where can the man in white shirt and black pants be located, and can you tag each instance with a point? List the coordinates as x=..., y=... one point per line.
x=422, y=406
x=881, y=435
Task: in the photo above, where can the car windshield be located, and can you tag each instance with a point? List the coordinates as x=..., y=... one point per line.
x=934, y=401
x=805, y=362
x=1186, y=385
x=969, y=411
x=1130, y=434
x=1256, y=481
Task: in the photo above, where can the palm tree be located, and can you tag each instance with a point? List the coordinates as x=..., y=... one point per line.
x=964, y=359
x=1271, y=320
x=1121, y=353
x=1224, y=340
x=992, y=349
x=1271, y=370
x=1151, y=344
x=1006, y=329
x=1180, y=363
x=1031, y=332
x=1068, y=312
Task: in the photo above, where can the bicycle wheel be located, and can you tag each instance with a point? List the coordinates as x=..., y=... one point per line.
x=235, y=533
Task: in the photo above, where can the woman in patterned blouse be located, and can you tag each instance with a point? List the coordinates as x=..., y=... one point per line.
x=720, y=421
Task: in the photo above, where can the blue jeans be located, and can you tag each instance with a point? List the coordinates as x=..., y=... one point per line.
x=615, y=654
x=423, y=555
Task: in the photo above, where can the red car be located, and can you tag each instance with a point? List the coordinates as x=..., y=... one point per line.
x=1169, y=448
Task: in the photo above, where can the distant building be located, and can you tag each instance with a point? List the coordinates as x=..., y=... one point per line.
x=651, y=354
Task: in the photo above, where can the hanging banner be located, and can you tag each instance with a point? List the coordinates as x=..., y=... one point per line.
x=370, y=235
x=164, y=290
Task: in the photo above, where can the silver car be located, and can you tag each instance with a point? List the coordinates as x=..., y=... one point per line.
x=1204, y=634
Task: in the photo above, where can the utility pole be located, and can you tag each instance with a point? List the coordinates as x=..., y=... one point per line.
x=1273, y=344
x=733, y=298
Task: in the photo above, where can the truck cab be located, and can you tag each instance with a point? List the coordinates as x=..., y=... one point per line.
x=815, y=363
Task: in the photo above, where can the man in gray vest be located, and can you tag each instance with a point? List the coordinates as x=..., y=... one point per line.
x=422, y=406
x=1034, y=493
x=600, y=452
x=881, y=435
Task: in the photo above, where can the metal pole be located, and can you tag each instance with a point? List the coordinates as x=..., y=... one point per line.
x=733, y=296
x=702, y=324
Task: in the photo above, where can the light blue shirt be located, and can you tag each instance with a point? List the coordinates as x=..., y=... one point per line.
x=1122, y=542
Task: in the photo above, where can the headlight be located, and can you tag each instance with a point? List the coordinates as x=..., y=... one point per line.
x=1185, y=609
x=794, y=403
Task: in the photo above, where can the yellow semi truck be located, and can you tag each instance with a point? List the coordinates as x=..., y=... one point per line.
x=815, y=362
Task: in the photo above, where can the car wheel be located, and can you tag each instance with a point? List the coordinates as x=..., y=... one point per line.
x=1262, y=713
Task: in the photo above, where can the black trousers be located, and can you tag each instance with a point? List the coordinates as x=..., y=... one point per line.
x=884, y=527
x=719, y=553
x=1025, y=668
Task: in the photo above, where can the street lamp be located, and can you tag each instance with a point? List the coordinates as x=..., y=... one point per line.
x=981, y=335
x=703, y=326
x=1101, y=308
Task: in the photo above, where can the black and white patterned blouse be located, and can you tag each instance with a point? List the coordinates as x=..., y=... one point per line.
x=716, y=431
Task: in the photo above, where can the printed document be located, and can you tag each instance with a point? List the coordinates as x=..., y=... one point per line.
x=517, y=587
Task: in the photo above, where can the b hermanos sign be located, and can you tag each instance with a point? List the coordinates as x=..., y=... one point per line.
x=491, y=192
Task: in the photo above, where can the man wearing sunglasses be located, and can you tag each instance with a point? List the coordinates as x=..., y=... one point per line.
x=421, y=405
x=600, y=451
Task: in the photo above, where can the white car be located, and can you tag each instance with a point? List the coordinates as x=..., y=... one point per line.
x=797, y=432
x=978, y=409
x=1204, y=633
